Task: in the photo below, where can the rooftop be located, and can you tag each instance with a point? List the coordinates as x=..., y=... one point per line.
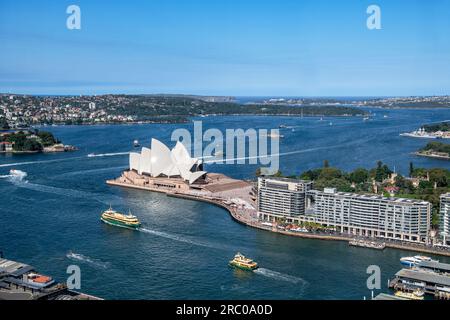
x=428, y=277
x=374, y=197
x=281, y=179
x=435, y=265
x=14, y=268
x=19, y=281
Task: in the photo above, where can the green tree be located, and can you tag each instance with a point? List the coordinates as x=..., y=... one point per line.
x=339, y=183
x=311, y=174
x=18, y=139
x=411, y=169
x=32, y=145
x=359, y=175
x=47, y=138
x=330, y=173
x=400, y=182
x=4, y=124
x=425, y=185
x=439, y=176
x=382, y=172
x=435, y=219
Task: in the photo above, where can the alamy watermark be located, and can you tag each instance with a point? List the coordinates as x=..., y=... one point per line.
x=74, y=280
x=374, y=19
x=236, y=146
x=73, y=21
x=373, y=22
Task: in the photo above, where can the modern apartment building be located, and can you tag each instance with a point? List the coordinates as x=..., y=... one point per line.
x=371, y=215
x=282, y=197
x=444, y=226
x=349, y=213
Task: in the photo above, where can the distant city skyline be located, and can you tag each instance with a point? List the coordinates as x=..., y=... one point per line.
x=233, y=48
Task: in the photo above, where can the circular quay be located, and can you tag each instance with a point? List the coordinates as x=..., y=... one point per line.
x=224, y=159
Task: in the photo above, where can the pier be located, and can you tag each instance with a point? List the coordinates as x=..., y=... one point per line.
x=19, y=281
x=431, y=283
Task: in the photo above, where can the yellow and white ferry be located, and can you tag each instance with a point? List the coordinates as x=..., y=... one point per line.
x=117, y=219
x=241, y=262
x=415, y=295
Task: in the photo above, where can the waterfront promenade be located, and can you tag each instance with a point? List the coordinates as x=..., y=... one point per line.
x=234, y=196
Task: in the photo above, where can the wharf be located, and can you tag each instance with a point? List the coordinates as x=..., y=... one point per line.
x=19, y=281
x=438, y=267
x=431, y=283
x=385, y=296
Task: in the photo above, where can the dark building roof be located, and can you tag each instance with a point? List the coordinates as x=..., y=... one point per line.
x=445, y=267
x=428, y=277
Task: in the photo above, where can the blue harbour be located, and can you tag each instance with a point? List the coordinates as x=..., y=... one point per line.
x=50, y=217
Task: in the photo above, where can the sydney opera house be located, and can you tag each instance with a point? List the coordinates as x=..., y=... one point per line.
x=160, y=169
x=161, y=162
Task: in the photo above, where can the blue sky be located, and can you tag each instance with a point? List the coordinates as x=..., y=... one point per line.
x=218, y=47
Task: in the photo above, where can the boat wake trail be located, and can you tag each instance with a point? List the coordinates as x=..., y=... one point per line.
x=109, y=200
x=26, y=163
x=176, y=238
x=6, y=165
x=93, y=262
x=348, y=144
x=93, y=155
x=280, y=276
x=84, y=172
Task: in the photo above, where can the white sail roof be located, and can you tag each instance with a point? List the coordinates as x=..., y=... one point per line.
x=160, y=160
x=135, y=160
x=146, y=161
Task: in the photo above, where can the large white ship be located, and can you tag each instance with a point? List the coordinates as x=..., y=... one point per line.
x=421, y=133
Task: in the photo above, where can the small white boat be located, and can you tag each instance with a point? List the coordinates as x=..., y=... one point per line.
x=136, y=143
x=17, y=174
x=414, y=261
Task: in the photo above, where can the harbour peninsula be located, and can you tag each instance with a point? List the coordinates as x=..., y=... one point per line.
x=255, y=205
x=435, y=150
x=30, y=141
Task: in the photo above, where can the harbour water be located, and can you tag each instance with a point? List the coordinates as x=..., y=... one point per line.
x=50, y=218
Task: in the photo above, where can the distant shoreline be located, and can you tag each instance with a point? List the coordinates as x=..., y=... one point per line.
x=50, y=150
x=430, y=155
x=194, y=116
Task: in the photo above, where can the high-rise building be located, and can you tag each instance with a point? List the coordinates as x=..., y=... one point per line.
x=444, y=227
x=282, y=197
x=371, y=215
